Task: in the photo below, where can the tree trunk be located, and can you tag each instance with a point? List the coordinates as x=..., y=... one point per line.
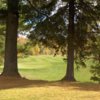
x=70, y=50
x=10, y=64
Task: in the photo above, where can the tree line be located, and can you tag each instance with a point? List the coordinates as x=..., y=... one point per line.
x=71, y=26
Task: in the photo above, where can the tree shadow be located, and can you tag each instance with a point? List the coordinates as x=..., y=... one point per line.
x=9, y=83
x=12, y=82
x=78, y=85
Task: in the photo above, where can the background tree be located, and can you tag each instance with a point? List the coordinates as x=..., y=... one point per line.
x=2, y=28
x=1, y=49
x=95, y=68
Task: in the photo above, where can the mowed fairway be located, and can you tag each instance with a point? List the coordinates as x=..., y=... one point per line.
x=50, y=69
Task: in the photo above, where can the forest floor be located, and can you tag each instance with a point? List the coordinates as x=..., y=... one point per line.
x=23, y=89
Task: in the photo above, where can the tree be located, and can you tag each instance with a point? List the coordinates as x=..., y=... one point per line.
x=12, y=13
x=70, y=49
x=95, y=68
x=58, y=27
x=10, y=63
x=80, y=19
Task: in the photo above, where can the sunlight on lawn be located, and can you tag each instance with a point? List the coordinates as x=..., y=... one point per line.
x=49, y=91
x=50, y=68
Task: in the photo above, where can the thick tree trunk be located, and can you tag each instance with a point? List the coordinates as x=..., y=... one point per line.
x=70, y=50
x=10, y=64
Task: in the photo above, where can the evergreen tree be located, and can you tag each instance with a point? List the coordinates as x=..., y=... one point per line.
x=74, y=25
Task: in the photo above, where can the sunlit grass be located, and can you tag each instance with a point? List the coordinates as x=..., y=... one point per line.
x=51, y=69
x=42, y=67
x=49, y=91
x=47, y=67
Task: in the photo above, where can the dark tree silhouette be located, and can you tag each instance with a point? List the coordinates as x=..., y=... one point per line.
x=10, y=64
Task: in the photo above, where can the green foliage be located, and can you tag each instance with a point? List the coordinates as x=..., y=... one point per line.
x=1, y=49
x=2, y=28
x=53, y=31
x=54, y=28
x=95, y=69
x=50, y=32
x=3, y=10
x=24, y=48
x=30, y=11
x=2, y=3
x=96, y=72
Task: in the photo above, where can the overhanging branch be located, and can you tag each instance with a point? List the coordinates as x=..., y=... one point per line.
x=36, y=9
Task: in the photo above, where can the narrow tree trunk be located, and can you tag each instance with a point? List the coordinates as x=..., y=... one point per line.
x=10, y=64
x=70, y=63
x=70, y=50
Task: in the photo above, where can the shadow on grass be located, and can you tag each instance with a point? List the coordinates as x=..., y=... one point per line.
x=9, y=83
x=12, y=82
x=79, y=86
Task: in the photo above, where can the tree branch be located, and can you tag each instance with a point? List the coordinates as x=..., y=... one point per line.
x=36, y=9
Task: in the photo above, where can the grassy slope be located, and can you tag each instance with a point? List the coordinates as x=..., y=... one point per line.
x=49, y=68
x=42, y=67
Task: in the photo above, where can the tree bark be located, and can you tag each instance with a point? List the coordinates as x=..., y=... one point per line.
x=10, y=64
x=70, y=49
